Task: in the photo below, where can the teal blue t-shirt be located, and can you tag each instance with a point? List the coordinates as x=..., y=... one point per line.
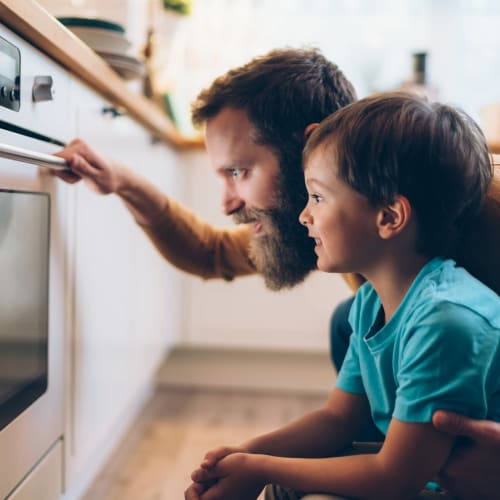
x=440, y=349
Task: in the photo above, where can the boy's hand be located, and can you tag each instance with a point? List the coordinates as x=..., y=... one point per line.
x=234, y=476
x=197, y=488
x=195, y=491
x=472, y=470
x=213, y=456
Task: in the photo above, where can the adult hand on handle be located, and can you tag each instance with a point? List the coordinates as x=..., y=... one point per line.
x=100, y=174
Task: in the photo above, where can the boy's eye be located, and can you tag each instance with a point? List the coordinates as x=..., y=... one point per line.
x=315, y=197
x=235, y=173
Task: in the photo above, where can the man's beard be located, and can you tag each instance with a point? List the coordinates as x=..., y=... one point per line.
x=284, y=254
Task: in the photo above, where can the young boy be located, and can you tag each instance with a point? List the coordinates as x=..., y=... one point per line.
x=391, y=180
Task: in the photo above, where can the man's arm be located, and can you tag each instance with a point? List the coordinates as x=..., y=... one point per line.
x=180, y=236
x=472, y=471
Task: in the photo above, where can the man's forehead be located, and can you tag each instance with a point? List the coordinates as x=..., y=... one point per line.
x=231, y=138
x=228, y=119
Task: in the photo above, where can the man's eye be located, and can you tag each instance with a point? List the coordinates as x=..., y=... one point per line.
x=237, y=173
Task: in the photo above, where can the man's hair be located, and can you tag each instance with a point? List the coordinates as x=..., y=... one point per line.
x=397, y=143
x=281, y=92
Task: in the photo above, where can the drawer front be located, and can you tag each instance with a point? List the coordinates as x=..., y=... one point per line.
x=45, y=481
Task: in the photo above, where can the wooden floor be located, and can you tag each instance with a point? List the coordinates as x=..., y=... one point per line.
x=176, y=429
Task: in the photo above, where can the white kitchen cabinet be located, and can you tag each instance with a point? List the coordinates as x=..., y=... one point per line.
x=124, y=297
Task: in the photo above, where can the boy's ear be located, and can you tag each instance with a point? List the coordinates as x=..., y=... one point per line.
x=394, y=218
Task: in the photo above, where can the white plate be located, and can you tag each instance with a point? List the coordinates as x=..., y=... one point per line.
x=126, y=66
x=102, y=40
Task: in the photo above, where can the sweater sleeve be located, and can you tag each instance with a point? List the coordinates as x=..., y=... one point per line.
x=195, y=246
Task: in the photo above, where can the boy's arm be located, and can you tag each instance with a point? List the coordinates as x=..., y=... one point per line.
x=321, y=433
x=412, y=455
x=318, y=434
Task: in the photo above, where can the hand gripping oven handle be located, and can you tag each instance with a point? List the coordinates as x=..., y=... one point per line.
x=28, y=156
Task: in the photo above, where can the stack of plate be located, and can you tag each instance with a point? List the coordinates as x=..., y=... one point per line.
x=109, y=41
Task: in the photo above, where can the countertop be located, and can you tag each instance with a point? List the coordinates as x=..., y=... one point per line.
x=32, y=22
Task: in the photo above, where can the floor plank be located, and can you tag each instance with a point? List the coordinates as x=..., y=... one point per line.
x=175, y=430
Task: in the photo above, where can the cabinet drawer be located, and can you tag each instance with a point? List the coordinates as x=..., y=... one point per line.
x=44, y=482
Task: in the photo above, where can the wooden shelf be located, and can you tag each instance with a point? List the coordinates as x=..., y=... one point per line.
x=494, y=147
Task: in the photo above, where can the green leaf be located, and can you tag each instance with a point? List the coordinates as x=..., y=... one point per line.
x=183, y=7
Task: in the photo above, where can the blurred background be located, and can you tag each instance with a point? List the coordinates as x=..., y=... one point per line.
x=373, y=41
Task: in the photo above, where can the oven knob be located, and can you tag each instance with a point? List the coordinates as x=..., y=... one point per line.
x=13, y=95
x=3, y=91
x=43, y=89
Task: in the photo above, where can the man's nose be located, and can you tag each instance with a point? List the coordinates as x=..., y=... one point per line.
x=231, y=202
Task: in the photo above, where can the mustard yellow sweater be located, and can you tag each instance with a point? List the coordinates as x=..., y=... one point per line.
x=196, y=247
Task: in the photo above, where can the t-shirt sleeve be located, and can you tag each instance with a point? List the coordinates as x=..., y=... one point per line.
x=444, y=362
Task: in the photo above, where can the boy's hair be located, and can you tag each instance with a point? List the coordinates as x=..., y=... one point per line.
x=282, y=92
x=397, y=143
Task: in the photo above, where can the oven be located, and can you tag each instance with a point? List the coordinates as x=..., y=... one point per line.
x=35, y=121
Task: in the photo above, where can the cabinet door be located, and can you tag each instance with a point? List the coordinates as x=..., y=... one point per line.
x=124, y=305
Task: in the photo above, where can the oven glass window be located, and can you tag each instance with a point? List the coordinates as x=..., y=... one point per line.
x=24, y=295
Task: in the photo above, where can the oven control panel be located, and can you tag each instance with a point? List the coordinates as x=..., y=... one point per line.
x=10, y=75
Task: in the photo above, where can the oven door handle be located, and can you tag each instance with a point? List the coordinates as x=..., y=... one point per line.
x=28, y=156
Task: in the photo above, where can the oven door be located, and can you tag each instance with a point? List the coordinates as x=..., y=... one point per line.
x=34, y=422
x=24, y=313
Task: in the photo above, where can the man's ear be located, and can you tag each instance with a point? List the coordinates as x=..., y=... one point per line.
x=309, y=130
x=394, y=218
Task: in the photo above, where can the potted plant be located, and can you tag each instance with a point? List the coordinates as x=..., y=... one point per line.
x=182, y=7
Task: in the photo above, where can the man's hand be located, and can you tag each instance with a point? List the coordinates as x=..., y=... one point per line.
x=100, y=175
x=472, y=471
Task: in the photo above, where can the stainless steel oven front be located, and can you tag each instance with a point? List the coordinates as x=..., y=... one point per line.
x=35, y=121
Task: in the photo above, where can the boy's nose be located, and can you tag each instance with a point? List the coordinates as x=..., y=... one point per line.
x=304, y=217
